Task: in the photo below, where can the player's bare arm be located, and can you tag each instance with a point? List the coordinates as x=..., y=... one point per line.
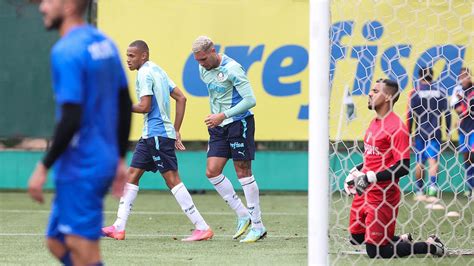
x=144, y=106
x=36, y=183
x=213, y=120
x=180, y=99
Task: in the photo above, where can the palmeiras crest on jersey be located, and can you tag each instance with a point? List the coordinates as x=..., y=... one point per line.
x=221, y=77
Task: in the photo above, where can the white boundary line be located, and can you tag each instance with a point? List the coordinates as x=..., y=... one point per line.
x=158, y=235
x=163, y=213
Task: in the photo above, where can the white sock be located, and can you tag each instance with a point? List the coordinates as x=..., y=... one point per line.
x=249, y=185
x=125, y=206
x=226, y=190
x=187, y=205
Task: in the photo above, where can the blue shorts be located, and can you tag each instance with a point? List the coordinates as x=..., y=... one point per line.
x=466, y=142
x=235, y=140
x=77, y=208
x=425, y=149
x=155, y=153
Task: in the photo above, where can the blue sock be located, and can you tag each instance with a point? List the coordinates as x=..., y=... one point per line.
x=433, y=180
x=419, y=184
x=66, y=259
x=97, y=264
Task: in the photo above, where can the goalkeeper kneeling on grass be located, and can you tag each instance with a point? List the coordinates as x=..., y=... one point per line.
x=374, y=183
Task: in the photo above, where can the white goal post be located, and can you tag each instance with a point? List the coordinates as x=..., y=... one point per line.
x=318, y=179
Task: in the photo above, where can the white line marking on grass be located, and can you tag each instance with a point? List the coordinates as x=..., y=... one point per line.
x=157, y=235
x=166, y=213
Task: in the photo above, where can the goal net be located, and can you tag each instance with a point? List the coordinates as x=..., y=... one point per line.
x=375, y=39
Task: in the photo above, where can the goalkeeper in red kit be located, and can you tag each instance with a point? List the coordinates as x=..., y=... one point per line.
x=374, y=183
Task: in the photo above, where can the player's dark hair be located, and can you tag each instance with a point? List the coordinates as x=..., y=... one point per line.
x=425, y=73
x=141, y=45
x=466, y=69
x=81, y=6
x=392, y=88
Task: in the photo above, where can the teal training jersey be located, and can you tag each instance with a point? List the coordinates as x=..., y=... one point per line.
x=227, y=85
x=153, y=81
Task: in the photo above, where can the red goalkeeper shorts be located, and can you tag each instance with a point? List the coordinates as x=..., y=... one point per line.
x=375, y=215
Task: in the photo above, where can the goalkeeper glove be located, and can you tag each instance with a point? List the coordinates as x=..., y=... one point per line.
x=349, y=182
x=362, y=181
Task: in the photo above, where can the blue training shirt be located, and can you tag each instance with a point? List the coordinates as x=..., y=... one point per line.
x=153, y=81
x=87, y=70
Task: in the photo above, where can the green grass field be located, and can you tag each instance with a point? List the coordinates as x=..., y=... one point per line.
x=156, y=227
x=157, y=224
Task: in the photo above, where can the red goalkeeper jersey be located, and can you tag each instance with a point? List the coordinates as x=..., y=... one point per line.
x=386, y=142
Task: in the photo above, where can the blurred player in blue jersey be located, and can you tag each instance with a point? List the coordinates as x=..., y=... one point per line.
x=91, y=135
x=231, y=128
x=464, y=105
x=155, y=151
x=428, y=103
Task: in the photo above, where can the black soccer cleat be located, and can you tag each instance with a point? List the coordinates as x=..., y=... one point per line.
x=435, y=241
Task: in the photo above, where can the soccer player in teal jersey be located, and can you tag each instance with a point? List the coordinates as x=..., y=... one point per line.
x=156, y=148
x=231, y=129
x=91, y=136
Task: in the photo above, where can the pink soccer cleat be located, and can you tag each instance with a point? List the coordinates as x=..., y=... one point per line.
x=110, y=231
x=199, y=235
